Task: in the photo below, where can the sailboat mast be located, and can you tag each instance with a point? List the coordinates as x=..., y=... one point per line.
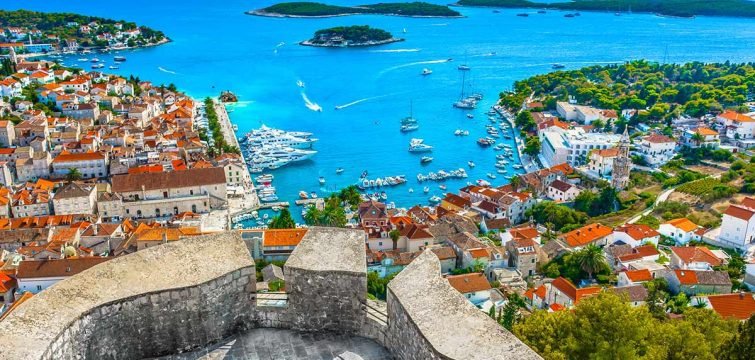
x=463, y=80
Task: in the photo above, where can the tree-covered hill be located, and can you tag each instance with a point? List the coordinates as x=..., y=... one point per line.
x=313, y=9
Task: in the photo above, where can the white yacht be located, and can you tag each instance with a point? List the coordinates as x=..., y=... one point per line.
x=426, y=71
x=418, y=145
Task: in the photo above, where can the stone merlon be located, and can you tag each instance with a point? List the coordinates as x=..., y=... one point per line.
x=454, y=327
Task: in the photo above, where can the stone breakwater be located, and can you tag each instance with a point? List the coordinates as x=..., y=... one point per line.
x=195, y=292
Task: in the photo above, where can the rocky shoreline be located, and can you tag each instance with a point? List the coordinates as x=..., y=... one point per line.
x=365, y=44
x=263, y=13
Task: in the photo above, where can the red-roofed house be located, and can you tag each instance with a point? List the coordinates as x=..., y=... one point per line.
x=740, y=306
x=644, y=253
x=682, y=230
x=91, y=164
x=693, y=282
x=562, y=191
x=738, y=225
x=474, y=286
x=694, y=258
x=597, y=234
x=635, y=235
x=631, y=277
x=657, y=149
x=562, y=291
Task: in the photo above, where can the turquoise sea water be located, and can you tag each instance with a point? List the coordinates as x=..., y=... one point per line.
x=216, y=46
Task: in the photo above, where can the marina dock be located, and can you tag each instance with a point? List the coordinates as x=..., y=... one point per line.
x=274, y=204
x=318, y=203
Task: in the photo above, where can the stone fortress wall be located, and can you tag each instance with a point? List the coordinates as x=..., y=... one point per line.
x=195, y=292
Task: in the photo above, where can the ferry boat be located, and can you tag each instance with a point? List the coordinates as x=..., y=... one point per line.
x=426, y=71
x=119, y=58
x=418, y=145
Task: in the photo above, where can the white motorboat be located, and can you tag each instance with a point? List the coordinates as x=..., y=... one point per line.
x=426, y=71
x=418, y=145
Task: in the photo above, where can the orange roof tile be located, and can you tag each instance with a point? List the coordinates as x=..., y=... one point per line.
x=283, y=237
x=568, y=289
x=639, y=275
x=65, y=157
x=683, y=224
x=739, y=306
x=690, y=254
x=468, y=283
x=735, y=116
x=705, y=131
x=586, y=234
x=479, y=253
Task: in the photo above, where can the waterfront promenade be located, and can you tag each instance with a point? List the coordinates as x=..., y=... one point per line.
x=248, y=201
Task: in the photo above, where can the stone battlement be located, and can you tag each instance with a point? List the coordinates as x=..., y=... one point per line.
x=192, y=293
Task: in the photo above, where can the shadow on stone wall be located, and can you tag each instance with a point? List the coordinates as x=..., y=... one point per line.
x=190, y=294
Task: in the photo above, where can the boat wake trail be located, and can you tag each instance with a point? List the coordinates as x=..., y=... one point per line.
x=166, y=70
x=281, y=44
x=413, y=64
x=395, y=50
x=339, y=107
x=309, y=104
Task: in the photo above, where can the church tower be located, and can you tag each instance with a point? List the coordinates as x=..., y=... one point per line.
x=622, y=163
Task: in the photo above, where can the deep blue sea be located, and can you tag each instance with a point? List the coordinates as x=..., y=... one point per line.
x=216, y=46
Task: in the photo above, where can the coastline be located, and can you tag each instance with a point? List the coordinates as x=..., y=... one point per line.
x=604, y=11
x=249, y=201
x=96, y=49
x=261, y=12
x=369, y=43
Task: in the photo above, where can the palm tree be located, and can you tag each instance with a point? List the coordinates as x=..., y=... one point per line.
x=515, y=182
x=698, y=138
x=394, y=234
x=73, y=175
x=591, y=259
x=312, y=216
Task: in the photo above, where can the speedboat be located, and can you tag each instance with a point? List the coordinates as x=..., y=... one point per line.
x=470, y=163
x=470, y=116
x=322, y=180
x=339, y=170
x=119, y=58
x=435, y=199
x=558, y=66
x=426, y=71
x=442, y=186
x=426, y=159
x=113, y=67
x=303, y=195
x=300, y=83
x=426, y=189
x=83, y=59
x=463, y=67
x=492, y=176
x=94, y=60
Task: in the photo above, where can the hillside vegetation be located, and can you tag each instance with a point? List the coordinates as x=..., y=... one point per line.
x=680, y=8
x=313, y=9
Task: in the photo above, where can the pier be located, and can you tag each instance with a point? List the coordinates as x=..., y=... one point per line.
x=274, y=204
x=318, y=203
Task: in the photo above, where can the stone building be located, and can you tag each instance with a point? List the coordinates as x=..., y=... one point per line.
x=74, y=198
x=622, y=164
x=159, y=194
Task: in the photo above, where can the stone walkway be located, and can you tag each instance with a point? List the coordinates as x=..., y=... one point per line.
x=279, y=344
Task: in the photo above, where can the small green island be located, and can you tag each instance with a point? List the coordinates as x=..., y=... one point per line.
x=674, y=8
x=350, y=36
x=315, y=10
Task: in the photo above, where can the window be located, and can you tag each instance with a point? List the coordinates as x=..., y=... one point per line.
x=39, y=287
x=191, y=192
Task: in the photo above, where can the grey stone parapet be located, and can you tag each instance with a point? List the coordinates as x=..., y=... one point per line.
x=159, y=299
x=429, y=319
x=195, y=292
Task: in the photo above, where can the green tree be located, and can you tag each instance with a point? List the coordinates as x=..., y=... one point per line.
x=591, y=259
x=282, y=221
x=532, y=146
x=678, y=304
x=658, y=294
x=73, y=175
x=394, y=235
x=509, y=315
x=525, y=121
x=742, y=345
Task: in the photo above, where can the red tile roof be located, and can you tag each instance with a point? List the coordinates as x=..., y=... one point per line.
x=586, y=234
x=637, y=232
x=468, y=283
x=740, y=212
x=640, y=252
x=567, y=288
x=283, y=237
x=740, y=306
x=691, y=254
x=639, y=275
x=683, y=224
